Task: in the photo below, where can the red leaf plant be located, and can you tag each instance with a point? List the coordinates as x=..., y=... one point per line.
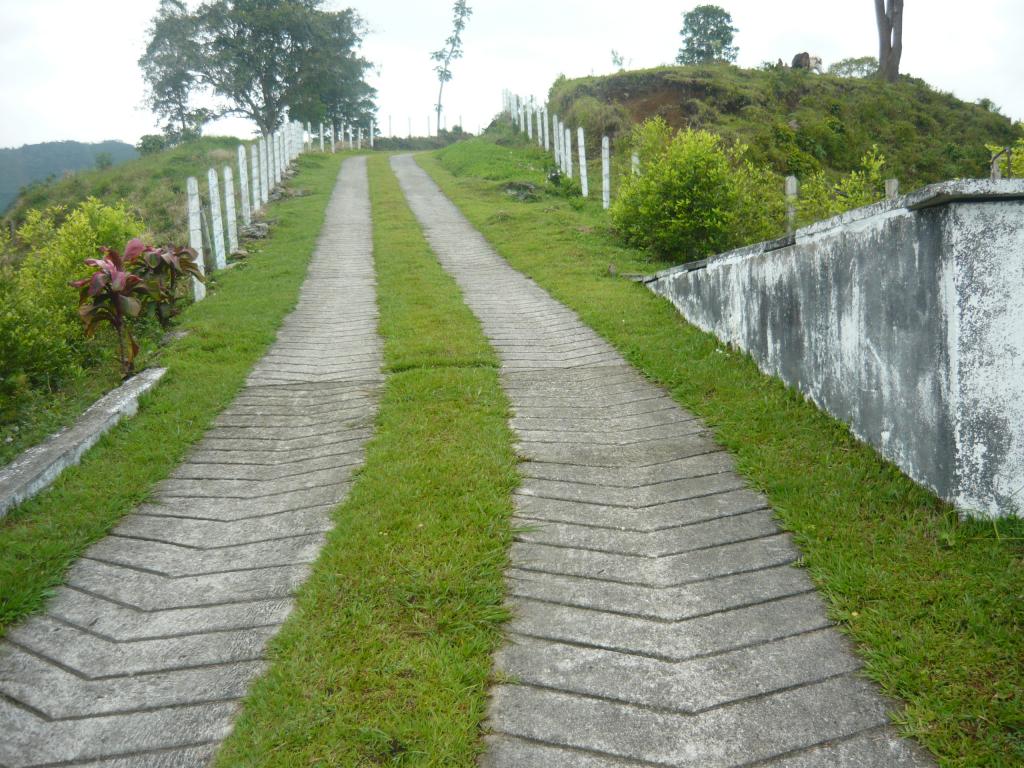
x=161, y=268
x=112, y=294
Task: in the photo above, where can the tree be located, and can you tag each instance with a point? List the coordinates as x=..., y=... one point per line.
x=452, y=49
x=889, y=17
x=861, y=66
x=169, y=67
x=707, y=36
x=262, y=57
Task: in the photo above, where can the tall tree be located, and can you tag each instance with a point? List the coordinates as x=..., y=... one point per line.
x=889, y=17
x=452, y=50
x=264, y=57
x=707, y=36
x=168, y=66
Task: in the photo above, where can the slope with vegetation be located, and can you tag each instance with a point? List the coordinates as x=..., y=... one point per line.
x=35, y=163
x=797, y=121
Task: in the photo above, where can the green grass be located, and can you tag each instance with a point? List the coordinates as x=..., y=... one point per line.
x=228, y=333
x=386, y=659
x=935, y=605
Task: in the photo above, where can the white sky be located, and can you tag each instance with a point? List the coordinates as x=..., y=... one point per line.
x=68, y=67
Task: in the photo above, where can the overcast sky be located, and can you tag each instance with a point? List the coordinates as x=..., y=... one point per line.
x=68, y=67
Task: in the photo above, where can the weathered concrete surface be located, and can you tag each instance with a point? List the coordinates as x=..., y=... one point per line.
x=142, y=657
x=657, y=617
x=904, y=319
x=39, y=466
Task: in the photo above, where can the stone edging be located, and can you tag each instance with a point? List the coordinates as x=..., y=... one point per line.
x=40, y=465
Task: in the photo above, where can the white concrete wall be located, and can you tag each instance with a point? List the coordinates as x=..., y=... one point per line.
x=904, y=319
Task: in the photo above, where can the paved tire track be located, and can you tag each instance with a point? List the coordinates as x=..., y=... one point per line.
x=658, y=618
x=141, y=659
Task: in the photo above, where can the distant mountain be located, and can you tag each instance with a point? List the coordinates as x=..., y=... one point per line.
x=37, y=162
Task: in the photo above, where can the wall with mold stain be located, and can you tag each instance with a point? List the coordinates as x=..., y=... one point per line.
x=904, y=319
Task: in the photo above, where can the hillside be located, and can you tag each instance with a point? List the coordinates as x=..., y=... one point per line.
x=796, y=120
x=153, y=186
x=37, y=162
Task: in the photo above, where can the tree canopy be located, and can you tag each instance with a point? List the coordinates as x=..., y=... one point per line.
x=261, y=58
x=860, y=66
x=707, y=36
x=452, y=50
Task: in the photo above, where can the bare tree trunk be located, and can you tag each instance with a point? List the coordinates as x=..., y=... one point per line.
x=889, y=17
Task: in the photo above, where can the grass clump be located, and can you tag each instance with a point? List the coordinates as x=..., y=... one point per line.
x=387, y=656
x=228, y=333
x=935, y=604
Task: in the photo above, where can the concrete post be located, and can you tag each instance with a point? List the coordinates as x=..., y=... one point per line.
x=321, y=137
x=216, y=221
x=606, y=173
x=529, y=122
x=195, y=236
x=371, y=133
x=582, y=147
x=635, y=163
x=892, y=188
x=308, y=137
x=257, y=195
x=243, y=184
x=359, y=137
x=351, y=144
x=555, y=143
x=792, y=189
x=547, y=135
x=264, y=170
x=568, y=153
x=229, y=208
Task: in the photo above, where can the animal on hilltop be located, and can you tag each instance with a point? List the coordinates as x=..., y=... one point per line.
x=806, y=61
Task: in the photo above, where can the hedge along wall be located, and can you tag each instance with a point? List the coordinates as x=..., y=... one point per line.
x=904, y=319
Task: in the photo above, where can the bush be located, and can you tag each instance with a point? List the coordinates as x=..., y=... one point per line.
x=820, y=199
x=694, y=196
x=41, y=342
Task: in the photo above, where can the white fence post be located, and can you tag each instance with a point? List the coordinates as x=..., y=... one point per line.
x=792, y=190
x=243, y=184
x=257, y=178
x=371, y=133
x=195, y=236
x=264, y=156
x=583, y=161
x=359, y=137
x=892, y=189
x=279, y=144
x=606, y=173
x=350, y=143
x=547, y=144
x=229, y=209
x=216, y=222
x=635, y=163
x=555, y=144
x=529, y=122
x=568, y=153
x=321, y=137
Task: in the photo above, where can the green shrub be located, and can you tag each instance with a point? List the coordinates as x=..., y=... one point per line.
x=821, y=199
x=695, y=196
x=41, y=340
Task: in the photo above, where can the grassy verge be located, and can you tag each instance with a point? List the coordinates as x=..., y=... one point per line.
x=387, y=656
x=935, y=605
x=228, y=332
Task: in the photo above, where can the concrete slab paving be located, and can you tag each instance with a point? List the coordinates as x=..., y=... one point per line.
x=141, y=659
x=657, y=620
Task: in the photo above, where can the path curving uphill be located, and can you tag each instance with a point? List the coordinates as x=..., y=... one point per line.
x=142, y=657
x=658, y=618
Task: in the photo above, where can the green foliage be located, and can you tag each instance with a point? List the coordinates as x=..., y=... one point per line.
x=262, y=58
x=707, y=36
x=104, y=160
x=41, y=343
x=1014, y=169
x=799, y=122
x=820, y=199
x=151, y=143
x=860, y=66
x=694, y=196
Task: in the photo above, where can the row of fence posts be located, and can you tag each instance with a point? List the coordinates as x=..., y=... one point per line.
x=332, y=135
x=261, y=166
x=533, y=118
